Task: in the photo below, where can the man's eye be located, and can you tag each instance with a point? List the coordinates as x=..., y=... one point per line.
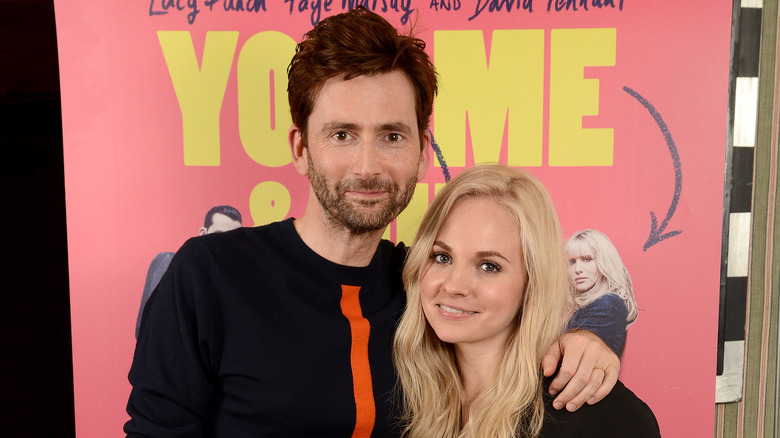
x=341, y=136
x=394, y=137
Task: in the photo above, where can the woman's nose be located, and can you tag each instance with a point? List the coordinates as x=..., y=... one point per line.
x=456, y=282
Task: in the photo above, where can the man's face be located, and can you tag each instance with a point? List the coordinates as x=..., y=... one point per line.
x=363, y=153
x=220, y=223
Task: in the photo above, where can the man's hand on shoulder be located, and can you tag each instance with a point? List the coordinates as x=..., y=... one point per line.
x=588, y=369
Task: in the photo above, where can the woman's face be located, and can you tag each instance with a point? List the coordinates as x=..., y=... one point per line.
x=583, y=271
x=472, y=291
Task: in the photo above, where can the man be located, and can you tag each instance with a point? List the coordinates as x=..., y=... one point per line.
x=285, y=329
x=218, y=219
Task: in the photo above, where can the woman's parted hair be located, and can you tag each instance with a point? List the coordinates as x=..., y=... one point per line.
x=355, y=43
x=427, y=368
x=613, y=275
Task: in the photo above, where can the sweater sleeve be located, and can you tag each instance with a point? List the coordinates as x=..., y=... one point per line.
x=171, y=374
x=605, y=317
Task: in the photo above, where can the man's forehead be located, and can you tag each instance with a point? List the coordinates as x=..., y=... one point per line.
x=384, y=100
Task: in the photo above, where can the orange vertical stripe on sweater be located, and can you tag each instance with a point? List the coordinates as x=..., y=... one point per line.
x=361, y=370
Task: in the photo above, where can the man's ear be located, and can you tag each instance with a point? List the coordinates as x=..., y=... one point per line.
x=425, y=156
x=202, y=231
x=299, y=151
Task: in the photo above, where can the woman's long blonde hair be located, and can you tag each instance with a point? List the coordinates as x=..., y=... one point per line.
x=613, y=275
x=427, y=368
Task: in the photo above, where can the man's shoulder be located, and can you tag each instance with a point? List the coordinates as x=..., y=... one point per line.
x=394, y=253
x=245, y=235
x=399, y=248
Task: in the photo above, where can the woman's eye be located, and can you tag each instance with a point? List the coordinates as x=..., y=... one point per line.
x=572, y=261
x=489, y=267
x=587, y=258
x=441, y=258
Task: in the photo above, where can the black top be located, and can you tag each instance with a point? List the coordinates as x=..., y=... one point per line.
x=619, y=414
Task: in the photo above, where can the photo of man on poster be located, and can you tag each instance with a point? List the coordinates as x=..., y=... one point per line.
x=218, y=219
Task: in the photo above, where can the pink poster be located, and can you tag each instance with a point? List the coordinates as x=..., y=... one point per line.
x=171, y=107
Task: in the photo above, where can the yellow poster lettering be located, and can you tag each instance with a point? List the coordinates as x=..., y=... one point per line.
x=263, y=111
x=199, y=90
x=506, y=92
x=269, y=202
x=572, y=96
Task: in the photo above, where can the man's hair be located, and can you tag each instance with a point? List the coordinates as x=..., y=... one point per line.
x=227, y=210
x=356, y=43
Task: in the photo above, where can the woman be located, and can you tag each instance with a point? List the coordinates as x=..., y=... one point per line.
x=601, y=287
x=486, y=297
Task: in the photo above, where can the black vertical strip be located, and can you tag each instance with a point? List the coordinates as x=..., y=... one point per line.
x=741, y=179
x=736, y=302
x=749, y=44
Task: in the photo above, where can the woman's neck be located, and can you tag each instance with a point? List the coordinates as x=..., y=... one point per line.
x=477, y=371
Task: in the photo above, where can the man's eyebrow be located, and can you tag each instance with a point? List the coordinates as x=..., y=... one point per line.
x=396, y=126
x=391, y=126
x=339, y=125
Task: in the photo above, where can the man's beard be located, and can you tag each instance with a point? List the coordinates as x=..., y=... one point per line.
x=367, y=215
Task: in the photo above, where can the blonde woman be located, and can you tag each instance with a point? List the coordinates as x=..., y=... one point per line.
x=487, y=296
x=601, y=287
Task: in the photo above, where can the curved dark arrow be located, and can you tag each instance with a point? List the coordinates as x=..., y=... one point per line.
x=657, y=232
x=440, y=158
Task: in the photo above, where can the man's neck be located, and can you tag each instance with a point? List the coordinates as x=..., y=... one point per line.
x=337, y=243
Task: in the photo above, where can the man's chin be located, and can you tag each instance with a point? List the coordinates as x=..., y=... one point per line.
x=367, y=223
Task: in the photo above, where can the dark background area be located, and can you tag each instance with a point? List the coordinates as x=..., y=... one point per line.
x=35, y=361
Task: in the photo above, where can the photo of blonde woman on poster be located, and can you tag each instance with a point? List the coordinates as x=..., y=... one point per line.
x=601, y=286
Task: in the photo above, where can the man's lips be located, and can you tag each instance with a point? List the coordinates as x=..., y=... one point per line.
x=369, y=194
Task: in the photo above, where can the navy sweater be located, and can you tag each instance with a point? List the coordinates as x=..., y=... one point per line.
x=250, y=333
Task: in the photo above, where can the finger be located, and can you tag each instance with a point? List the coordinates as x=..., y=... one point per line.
x=610, y=379
x=596, y=378
x=551, y=360
x=568, y=378
x=577, y=376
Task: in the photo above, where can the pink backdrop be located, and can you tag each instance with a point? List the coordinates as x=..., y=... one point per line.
x=165, y=116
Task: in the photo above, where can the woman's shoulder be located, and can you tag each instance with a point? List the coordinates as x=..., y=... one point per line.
x=610, y=302
x=621, y=413
x=609, y=299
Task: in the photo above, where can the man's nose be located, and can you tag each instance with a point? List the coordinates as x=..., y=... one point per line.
x=367, y=162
